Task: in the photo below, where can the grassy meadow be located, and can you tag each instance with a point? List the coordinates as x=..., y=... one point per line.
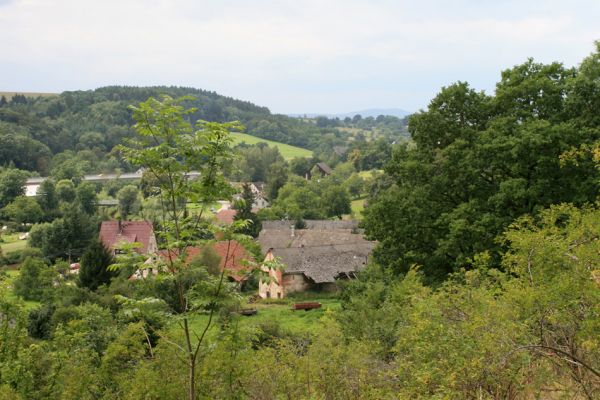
x=12, y=243
x=287, y=151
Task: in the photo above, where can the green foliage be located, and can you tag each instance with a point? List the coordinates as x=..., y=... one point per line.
x=170, y=148
x=479, y=163
x=35, y=279
x=12, y=185
x=66, y=237
x=489, y=333
x=209, y=259
x=244, y=213
x=356, y=185
x=316, y=199
x=86, y=198
x=24, y=210
x=129, y=202
x=65, y=190
x=94, y=269
x=47, y=197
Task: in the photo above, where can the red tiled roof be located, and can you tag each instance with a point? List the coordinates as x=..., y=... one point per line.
x=112, y=234
x=236, y=251
x=226, y=216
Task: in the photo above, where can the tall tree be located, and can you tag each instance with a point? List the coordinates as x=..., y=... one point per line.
x=46, y=196
x=24, y=210
x=244, y=212
x=94, y=270
x=479, y=163
x=12, y=185
x=129, y=202
x=86, y=198
x=170, y=148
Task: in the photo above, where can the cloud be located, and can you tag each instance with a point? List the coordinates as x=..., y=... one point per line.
x=293, y=56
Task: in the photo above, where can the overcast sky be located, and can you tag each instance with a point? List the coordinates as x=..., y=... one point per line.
x=292, y=56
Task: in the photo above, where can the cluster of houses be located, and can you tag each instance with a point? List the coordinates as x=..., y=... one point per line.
x=311, y=258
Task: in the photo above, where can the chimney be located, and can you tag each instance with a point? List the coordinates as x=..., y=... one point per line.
x=293, y=230
x=120, y=226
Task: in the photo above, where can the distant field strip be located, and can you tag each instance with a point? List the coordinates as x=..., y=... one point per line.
x=288, y=152
x=8, y=95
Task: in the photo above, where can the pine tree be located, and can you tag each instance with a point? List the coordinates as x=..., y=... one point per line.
x=94, y=270
x=244, y=212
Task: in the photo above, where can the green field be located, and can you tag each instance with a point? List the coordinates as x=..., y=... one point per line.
x=369, y=174
x=357, y=207
x=11, y=243
x=288, y=152
x=11, y=275
x=280, y=315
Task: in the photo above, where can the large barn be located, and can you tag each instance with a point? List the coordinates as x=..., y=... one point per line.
x=313, y=258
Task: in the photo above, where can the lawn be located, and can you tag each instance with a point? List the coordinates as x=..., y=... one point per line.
x=195, y=208
x=287, y=151
x=357, y=207
x=369, y=174
x=12, y=274
x=11, y=243
x=280, y=313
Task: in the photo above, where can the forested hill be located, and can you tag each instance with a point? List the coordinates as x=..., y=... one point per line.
x=34, y=130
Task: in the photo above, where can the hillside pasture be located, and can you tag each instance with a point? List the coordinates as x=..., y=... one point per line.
x=287, y=151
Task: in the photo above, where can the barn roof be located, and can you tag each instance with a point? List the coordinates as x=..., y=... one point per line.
x=326, y=169
x=321, y=255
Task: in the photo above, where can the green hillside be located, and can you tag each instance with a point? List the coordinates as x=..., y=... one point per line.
x=287, y=151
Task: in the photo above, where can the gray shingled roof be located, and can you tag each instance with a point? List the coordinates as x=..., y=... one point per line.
x=326, y=169
x=321, y=255
x=316, y=224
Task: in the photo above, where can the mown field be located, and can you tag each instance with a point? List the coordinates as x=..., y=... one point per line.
x=11, y=243
x=287, y=151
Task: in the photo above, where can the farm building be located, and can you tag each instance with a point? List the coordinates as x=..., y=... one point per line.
x=314, y=258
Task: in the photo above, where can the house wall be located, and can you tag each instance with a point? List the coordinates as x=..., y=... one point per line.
x=152, y=246
x=296, y=283
x=274, y=288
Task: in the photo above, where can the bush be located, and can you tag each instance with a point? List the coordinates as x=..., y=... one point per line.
x=35, y=280
x=18, y=256
x=40, y=322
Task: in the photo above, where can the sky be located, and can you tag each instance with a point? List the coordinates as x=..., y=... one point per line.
x=297, y=56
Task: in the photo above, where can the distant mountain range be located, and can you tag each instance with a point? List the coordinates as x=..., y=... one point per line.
x=371, y=112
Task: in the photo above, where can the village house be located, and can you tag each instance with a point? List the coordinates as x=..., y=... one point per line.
x=313, y=258
x=258, y=191
x=115, y=233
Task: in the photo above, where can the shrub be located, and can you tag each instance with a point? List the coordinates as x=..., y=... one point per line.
x=35, y=279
